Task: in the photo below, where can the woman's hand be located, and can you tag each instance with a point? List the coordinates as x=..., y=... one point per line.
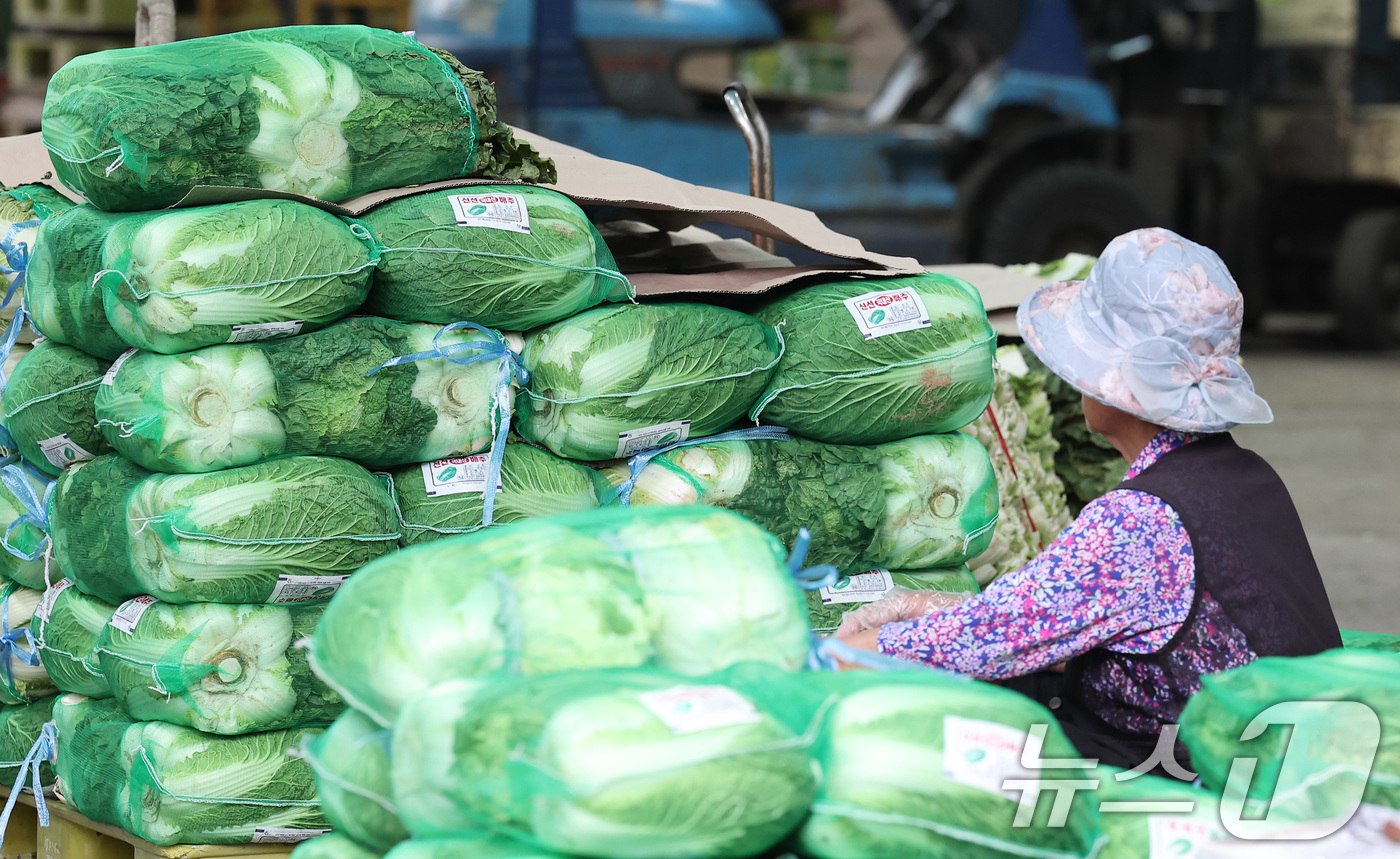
x=868, y=639
x=899, y=604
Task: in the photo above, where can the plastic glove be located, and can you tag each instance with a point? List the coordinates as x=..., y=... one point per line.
x=897, y=604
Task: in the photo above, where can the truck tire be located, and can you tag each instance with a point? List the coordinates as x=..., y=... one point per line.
x=1366, y=280
x=1060, y=209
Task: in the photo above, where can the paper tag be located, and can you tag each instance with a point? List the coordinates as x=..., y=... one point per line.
x=1013, y=363
x=983, y=755
x=457, y=475
x=888, y=312
x=46, y=603
x=128, y=614
x=646, y=438
x=273, y=835
x=687, y=709
x=61, y=451
x=293, y=589
x=1176, y=836
x=111, y=377
x=495, y=211
x=861, y=587
x=264, y=331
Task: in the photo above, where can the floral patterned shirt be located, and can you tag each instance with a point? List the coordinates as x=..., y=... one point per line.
x=1121, y=576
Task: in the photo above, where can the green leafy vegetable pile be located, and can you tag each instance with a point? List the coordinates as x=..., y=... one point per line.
x=50, y=406
x=20, y=725
x=26, y=539
x=59, y=294
x=1085, y=461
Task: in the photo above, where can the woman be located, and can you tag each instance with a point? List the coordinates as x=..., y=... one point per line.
x=1196, y=563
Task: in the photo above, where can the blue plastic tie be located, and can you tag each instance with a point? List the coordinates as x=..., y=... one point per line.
x=512, y=371
x=44, y=749
x=809, y=578
x=16, y=257
x=623, y=493
x=36, y=508
x=9, y=639
x=7, y=344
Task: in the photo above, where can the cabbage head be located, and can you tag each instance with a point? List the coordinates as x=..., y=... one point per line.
x=835, y=384
x=1371, y=641
x=333, y=845
x=606, y=764
x=26, y=539
x=475, y=845
x=351, y=760
x=225, y=406
x=493, y=272
x=615, y=380
x=1134, y=834
x=533, y=483
x=91, y=770
x=941, y=502
x=59, y=291
x=20, y=682
x=20, y=726
x=330, y=112
x=25, y=207
x=826, y=607
x=260, y=533
x=66, y=626
x=223, y=669
x=176, y=280
x=49, y=406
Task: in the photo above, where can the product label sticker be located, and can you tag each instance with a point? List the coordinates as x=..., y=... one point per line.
x=888, y=312
x=1177, y=836
x=1013, y=363
x=128, y=614
x=494, y=211
x=264, y=331
x=687, y=709
x=45, y=607
x=111, y=376
x=646, y=438
x=61, y=451
x=457, y=475
x=860, y=587
x=294, y=589
x=274, y=835
x=984, y=755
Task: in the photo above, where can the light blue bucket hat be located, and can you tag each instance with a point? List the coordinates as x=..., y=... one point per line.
x=1154, y=330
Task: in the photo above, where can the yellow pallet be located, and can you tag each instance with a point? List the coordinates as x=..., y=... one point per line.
x=69, y=835
x=76, y=14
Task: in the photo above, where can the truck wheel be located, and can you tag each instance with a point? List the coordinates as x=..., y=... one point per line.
x=1074, y=207
x=1366, y=280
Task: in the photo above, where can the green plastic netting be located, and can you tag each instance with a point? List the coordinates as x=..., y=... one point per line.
x=478, y=846
x=22, y=551
x=21, y=211
x=334, y=392
x=330, y=112
x=691, y=589
x=22, y=675
x=875, y=361
x=622, y=763
x=506, y=256
x=174, y=785
x=59, y=291
x=49, y=406
x=333, y=845
x=66, y=626
x=283, y=531
x=1371, y=640
x=445, y=497
x=253, y=270
x=222, y=669
x=20, y=725
x=351, y=760
x=827, y=606
x=1134, y=834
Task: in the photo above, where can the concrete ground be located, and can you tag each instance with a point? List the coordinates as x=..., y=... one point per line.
x=1336, y=442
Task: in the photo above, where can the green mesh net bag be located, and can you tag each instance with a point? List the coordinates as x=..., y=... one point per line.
x=379, y=392
x=22, y=675
x=351, y=760
x=174, y=785
x=60, y=295
x=223, y=669
x=253, y=270
x=49, y=409
x=448, y=496
x=625, y=763
x=691, y=589
x=509, y=256
x=283, y=531
x=875, y=361
x=330, y=112
x=20, y=727
x=24, y=518
x=22, y=209
x=333, y=845
x=477, y=846
x=914, y=762
x=1134, y=833
x=828, y=605
x=1370, y=641
x=67, y=623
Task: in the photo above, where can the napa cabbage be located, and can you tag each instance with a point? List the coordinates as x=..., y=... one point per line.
x=20, y=726
x=941, y=502
x=22, y=676
x=351, y=760
x=1134, y=834
x=478, y=846
x=67, y=624
x=26, y=539
x=22, y=209
x=828, y=605
x=49, y=406
x=59, y=292
x=333, y=845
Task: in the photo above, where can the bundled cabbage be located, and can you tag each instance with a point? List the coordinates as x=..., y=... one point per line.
x=1371, y=641
x=21, y=497
x=22, y=209
x=445, y=497
x=287, y=530
x=624, y=764
x=253, y=270
x=692, y=589
x=67, y=624
x=333, y=845
x=60, y=292
x=874, y=361
x=1135, y=834
x=23, y=678
x=941, y=502
x=174, y=785
x=49, y=406
x=508, y=256
x=827, y=606
x=331, y=392
x=616, y=380
x=914, y=763
x=326, y=111
x=351, y=760
x=223, y=669
x=20, y=726
x=477, y=846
